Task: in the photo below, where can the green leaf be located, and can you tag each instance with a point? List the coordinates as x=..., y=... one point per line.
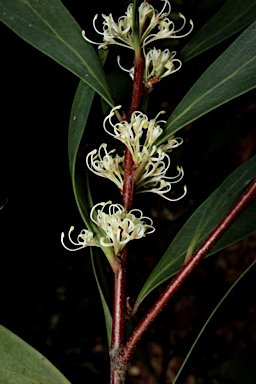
x=231, y=18
x=22, y=364
x=107, y=314
x=202, y=222
x=239, y=370
x=49, y=27
x=208, y=321
x=231, y=75
x=78, y=118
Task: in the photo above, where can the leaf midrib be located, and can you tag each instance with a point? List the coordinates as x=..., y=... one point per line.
x=196, y=48
x=76, y=53
x=196, y=100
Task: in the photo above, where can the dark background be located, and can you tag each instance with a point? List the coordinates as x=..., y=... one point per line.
x=48, y=296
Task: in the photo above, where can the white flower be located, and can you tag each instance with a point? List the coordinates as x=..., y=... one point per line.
x=105, y=165
x=171, y=143
x=154, y=178
x=138, y=135
x=121, y=32
x=164, y=187
x=167, y=30
x=120, y=226
x=84, y=239
x=158, y=64
x=115, y=33
x=151, y=162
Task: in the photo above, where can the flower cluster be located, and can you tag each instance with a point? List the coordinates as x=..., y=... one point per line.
x=118, y=225
x=150, y=20
x=153, y=25
x=151, y=162
x=158, y=64
x=139, y=135
x=131, y=134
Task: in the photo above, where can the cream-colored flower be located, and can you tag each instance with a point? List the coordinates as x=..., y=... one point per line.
x=167, y=30
x=120, y=226
x=121, y=32
x=138, y=135
x=154, y=177
x=106, y=165
x=158, y=64
x=84, y=239
x=164, y=187
x=151, y=162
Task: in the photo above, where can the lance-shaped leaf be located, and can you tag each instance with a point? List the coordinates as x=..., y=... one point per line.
x=107, y=314
x=202, y=222
x=217, y=308
x=77, y=123
x=231, y=18
x=78, y=118
x=49, y=27
x=231, y=75
x=22, y=364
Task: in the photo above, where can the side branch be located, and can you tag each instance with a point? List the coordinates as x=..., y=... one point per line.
x=238, y=207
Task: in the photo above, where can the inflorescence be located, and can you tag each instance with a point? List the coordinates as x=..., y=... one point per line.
x=153, y=26
x=139, y=135
x=150, y=20
x=118, y=225
x=151, y=162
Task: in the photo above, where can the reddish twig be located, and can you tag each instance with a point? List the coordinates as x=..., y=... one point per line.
x=119, y=319
x=137, y=94
x=129, y=348
x=128, y=188
x=118, y=369
x=138, y=86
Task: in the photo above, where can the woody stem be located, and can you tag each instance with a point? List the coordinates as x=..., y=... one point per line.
x=119, y=303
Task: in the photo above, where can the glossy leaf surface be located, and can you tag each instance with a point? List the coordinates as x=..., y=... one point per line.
x=49, y=27
x=107, y=314
x=22, y=364
x=203, y=221
x=231, y=75
x=231, y=18
x=78, y=119
x=217, y=308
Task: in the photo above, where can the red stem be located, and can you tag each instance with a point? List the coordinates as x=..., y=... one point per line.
x=137, y=94
x=118, y=370
x=119, y=319
x=138, y=86
x=128, y=350
x=128, y=188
